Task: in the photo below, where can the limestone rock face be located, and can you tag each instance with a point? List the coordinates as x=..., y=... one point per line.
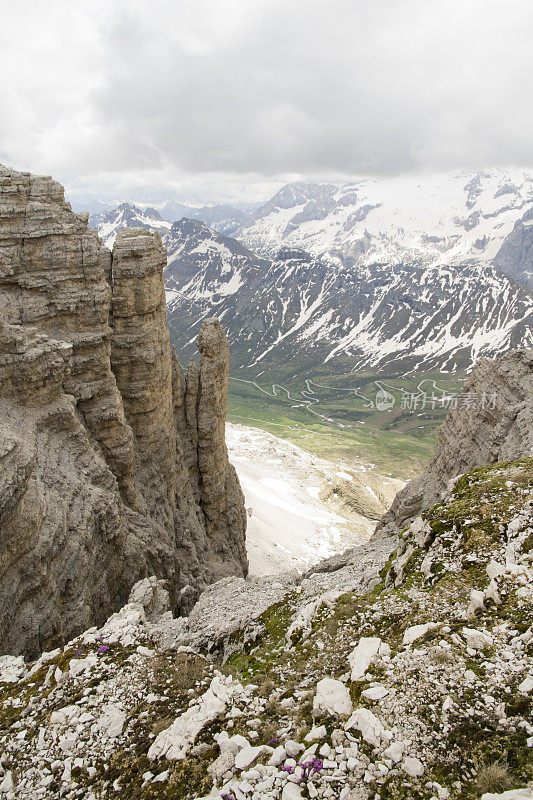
x=113, y=466
x=473, y=436
x=222, y=500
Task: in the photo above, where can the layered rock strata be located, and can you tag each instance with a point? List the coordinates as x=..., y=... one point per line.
x=112, y=465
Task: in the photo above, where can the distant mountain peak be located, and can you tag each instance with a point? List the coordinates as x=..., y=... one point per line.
x=186, y=225
x=423, y=218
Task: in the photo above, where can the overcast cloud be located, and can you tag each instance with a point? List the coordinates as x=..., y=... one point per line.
x=230, y=98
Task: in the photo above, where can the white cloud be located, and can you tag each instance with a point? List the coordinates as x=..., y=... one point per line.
x=232, y=96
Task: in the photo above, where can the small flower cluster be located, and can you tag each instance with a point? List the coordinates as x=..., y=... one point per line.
x=102, y=648
x=309, y=769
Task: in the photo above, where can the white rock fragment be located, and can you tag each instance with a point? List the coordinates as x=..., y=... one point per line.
x=494, y=570
x=375, y=692
x=291, y=792
x=63, y=715
x=417, y=631
x=491, y=593
x=364, y=653
x=332, y=697
x=175, y=741
x=512, y=794
x=12, y=669
x=78, y=666
x=293, y=748
x=413, y=767
x=368, y=726
x=447, y=704
x=221, y=765
x=247, y=756
x=394, y=751
x=316, y=733
x=477, y=602
x=475, y=639
x=68, y=742
x=230, y=744
x=145, y=651
x=527, y=685
x=278, y=756
x=7, y=784
x=111, y=721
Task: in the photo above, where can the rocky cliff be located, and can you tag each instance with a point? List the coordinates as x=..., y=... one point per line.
x=493, y=422
x=113, y=465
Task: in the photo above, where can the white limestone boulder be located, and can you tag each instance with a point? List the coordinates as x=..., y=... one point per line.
x=364, y=653
x=332, y=697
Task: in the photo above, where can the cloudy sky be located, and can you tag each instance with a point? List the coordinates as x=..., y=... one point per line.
x=228, y=99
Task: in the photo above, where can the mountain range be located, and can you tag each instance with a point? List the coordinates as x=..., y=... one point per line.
x=438, y=219
x=401, y=275
x=221, y=217
x=300, y=309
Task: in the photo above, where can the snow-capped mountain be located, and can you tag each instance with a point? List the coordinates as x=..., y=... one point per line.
x=432, y=220
x=382, y=274
x=308, y=311
x=222, y=217
x=127, y=215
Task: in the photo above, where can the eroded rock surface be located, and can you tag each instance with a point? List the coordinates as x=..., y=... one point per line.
x=112, y=468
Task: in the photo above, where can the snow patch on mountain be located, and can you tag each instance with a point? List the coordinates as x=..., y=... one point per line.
x=435, y=219
x=378, y=316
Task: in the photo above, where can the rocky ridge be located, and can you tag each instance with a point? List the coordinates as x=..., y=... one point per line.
x=126, y=215
x=223, y=218
x=113, y=462
x=515, y=256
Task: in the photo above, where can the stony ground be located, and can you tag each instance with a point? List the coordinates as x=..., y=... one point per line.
x=414, y=684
